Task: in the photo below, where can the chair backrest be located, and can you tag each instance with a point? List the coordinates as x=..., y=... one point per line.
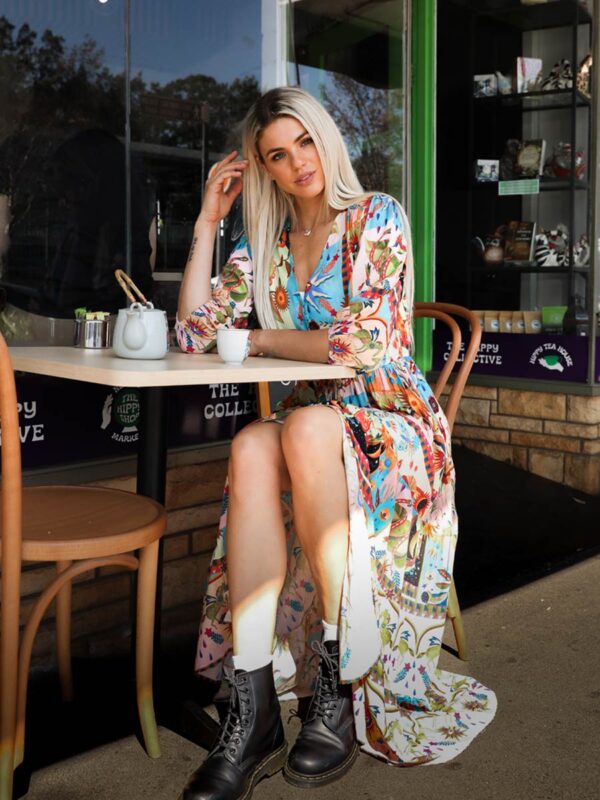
x=445, y=312
x=442, y=312
x=10, y=544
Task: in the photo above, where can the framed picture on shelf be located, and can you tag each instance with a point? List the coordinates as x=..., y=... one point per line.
x=530, y=158
x=486, y=170
x=485, y=85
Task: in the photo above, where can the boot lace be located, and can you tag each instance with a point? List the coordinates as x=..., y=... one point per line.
x=239, y=714
x=326, y=691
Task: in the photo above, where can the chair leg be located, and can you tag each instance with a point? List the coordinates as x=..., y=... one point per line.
x=8, y=704
x=9, y=655
x=146, y=597
x=263, y=399
x=63, y=635
x=457, y=623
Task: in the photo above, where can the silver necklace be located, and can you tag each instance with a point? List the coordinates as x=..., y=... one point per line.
x=308, y=231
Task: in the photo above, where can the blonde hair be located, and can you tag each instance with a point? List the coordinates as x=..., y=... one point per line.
x=266, y=206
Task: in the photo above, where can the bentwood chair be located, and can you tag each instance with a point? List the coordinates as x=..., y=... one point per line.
x=444, y=312
x=81, y=529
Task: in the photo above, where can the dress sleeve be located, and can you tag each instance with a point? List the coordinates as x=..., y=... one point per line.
x=229, y=306
x=361, y=330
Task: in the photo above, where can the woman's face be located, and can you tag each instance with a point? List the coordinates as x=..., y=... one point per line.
x=290, y=157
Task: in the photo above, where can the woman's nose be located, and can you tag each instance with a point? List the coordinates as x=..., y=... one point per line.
x=298, y=159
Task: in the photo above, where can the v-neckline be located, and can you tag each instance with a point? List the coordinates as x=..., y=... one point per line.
x=312, y=274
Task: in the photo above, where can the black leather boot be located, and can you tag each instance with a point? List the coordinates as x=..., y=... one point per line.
x=326, y=747
x=251, y=743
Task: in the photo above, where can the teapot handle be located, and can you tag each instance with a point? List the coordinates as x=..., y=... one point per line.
x=125, y=282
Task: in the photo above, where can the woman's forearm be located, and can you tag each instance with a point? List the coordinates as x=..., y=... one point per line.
x=295, y=345
x=195, y=287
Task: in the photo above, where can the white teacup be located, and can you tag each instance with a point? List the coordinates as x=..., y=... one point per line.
x=233, y=344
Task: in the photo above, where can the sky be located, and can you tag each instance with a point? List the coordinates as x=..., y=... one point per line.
x=169, y=38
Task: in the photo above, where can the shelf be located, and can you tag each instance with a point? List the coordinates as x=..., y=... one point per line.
x=546, y=185
x=527, y=267
x=535, y=101
x=555, y=14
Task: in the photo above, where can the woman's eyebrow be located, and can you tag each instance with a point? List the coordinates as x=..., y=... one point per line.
x=275, y=149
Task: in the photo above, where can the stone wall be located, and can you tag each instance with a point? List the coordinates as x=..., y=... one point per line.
x=101, y=601
x=554, y=435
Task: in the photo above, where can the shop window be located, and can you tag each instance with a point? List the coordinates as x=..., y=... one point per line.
x=62, y=160
x=351, y=56
x=196, y=69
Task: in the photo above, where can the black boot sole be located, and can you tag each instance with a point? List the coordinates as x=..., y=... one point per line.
x=267, y=767
x=304, y=781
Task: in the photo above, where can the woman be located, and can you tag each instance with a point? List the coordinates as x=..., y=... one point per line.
x=338, y=519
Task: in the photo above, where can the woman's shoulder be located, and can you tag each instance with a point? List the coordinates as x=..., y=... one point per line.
x=376, y=210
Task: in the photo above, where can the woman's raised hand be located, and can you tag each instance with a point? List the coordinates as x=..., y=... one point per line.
x=223, y=185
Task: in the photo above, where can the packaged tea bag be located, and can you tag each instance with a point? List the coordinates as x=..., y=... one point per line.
x=532, y=321
x=491, y=322
x=505, y=321
x=479, y=315
x=518, y=323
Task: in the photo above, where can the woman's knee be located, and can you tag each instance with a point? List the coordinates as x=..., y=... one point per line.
x=255, y=452
x=310, y=434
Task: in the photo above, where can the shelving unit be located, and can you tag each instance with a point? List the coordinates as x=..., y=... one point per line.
x=481, y=37
x=503, y=116
x=536, y=101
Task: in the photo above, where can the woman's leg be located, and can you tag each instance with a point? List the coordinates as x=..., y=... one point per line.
x=251, y=742
x=256, y=546
x=312, y=446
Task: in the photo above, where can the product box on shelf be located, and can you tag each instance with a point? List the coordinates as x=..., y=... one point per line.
x=528, y=74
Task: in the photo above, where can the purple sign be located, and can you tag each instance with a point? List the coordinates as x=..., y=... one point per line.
x=64, y=421
x=534, y=356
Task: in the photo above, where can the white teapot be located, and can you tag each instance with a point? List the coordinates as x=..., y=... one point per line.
x=141, y=331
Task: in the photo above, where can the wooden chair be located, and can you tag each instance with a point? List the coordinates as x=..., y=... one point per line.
x=444, y=312
x=81, y=529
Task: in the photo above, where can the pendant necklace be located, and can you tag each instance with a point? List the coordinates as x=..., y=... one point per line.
x=308, y=231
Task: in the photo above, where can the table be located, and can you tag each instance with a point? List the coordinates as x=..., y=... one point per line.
x=152, y=378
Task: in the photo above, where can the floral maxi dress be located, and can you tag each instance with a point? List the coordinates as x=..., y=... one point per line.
x=400, y=479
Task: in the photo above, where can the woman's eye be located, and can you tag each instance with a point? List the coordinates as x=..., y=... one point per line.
x=306, y=141
x=277, y=157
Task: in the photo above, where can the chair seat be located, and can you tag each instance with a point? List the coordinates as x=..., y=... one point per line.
x=63, y=523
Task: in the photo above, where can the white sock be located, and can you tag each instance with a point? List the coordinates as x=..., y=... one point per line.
x=330, y=632
x=251, y=661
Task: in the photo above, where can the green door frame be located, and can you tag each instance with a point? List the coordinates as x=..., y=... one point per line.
x=422, y=165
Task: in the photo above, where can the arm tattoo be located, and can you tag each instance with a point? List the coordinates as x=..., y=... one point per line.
x=194, y=240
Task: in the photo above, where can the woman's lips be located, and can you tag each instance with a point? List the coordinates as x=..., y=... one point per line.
x=304, y=180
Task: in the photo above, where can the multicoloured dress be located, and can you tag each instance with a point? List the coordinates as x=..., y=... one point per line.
x=400, y=479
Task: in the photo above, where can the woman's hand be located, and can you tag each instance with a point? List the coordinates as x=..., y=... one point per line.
x=223, y=185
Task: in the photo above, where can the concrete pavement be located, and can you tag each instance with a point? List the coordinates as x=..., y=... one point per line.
x=538, y=647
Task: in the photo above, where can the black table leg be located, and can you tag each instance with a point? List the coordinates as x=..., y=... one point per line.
x=152, y=446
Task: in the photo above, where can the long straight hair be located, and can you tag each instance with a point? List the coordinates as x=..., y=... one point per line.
x=266, y=206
